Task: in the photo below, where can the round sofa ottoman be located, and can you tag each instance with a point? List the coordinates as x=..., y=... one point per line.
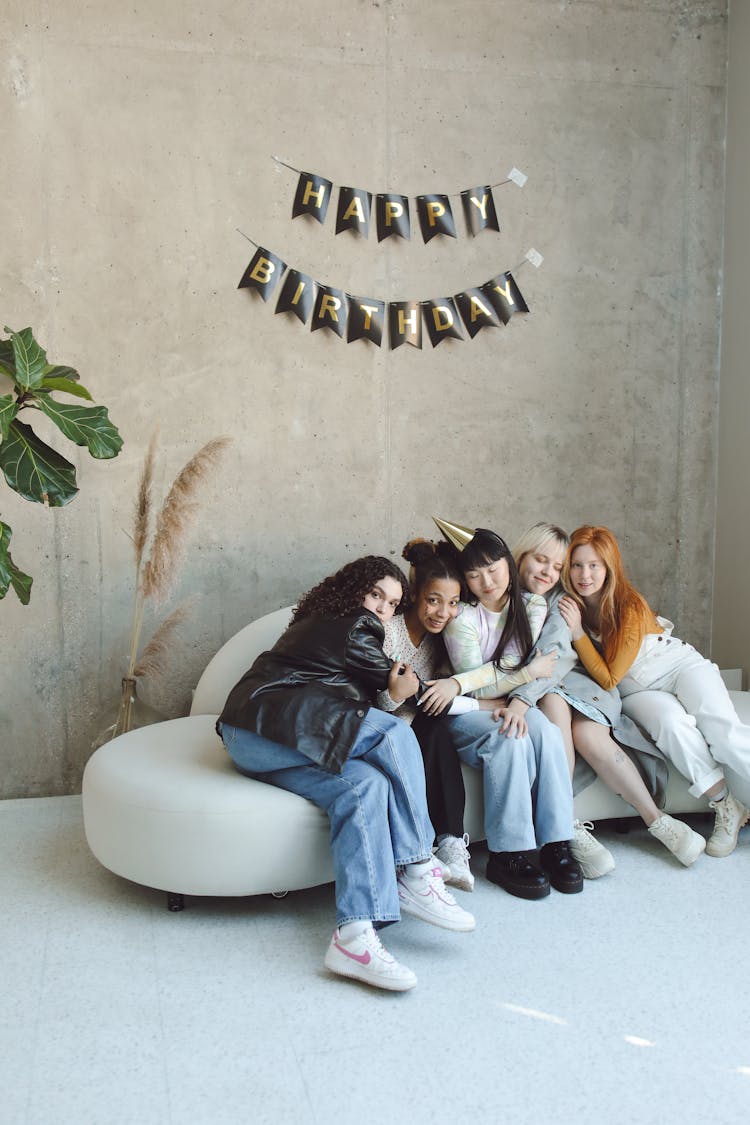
x=165, y=807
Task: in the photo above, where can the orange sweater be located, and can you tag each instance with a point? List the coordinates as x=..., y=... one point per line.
x=628, y=643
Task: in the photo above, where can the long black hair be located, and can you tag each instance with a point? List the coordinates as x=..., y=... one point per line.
x=341, y=593
x=485, y=549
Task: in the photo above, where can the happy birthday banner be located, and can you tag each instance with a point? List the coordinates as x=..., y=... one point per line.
x=364, y=318
x=392, y=212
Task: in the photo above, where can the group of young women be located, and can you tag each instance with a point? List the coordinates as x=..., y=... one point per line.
x=381, y=688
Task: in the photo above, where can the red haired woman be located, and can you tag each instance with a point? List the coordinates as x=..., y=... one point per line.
x=675, y=694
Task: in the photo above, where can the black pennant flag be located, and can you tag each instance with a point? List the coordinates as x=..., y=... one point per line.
x=312, y=196
x=392, y=215
x=435, y=216
x=505, y=295
x=442, y=320
x=354, y=211
x=479, y=209
x=365, y=320
x=330, y=310
x=264, y=271
x=477, y=311
x=297, y=295
x=405, y=323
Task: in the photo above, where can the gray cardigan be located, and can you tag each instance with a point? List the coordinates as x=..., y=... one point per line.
x=570, y=675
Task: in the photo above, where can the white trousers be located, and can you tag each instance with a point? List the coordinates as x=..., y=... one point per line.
x=680, y=700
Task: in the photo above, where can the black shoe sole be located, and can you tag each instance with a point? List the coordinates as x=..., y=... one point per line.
x=568, y=888
x=520, y=891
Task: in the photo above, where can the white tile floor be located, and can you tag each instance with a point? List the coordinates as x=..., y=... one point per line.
x=626, y=1004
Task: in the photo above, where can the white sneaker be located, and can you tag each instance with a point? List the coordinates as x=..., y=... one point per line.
x=426, y=897
x=730, y=816
x=593, y=858
x=453, y=853
x=682, y=842
x=364, y=958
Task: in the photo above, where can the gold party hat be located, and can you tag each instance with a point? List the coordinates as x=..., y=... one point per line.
x=455, y=533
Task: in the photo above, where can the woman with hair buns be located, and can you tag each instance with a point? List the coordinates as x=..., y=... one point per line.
x=415, y=638
x=302, y=718
x=528, y=800
x=673, y=692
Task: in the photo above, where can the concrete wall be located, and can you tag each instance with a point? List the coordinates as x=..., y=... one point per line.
x=136, y=141
x=731, y=638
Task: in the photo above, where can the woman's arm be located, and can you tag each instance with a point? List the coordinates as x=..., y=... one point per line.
x=472, y=673
x=555, y=639
x=606, y=673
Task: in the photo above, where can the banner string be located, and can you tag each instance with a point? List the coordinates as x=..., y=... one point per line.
x=451, y=195
x=255, y=244
x=421, y=301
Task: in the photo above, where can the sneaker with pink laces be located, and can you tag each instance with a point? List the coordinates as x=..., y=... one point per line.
x=364, y=958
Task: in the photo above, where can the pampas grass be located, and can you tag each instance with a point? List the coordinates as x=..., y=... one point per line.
x=159, y=544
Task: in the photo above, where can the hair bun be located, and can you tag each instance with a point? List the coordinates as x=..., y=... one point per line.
x=419, y=551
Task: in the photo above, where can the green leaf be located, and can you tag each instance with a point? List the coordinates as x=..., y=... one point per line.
x=30, y=359
x=34, y=470
x=10, y=575
x=55, y=372
x=67, y=385
x=7, y=360
x=8, y=411
x=85, y=425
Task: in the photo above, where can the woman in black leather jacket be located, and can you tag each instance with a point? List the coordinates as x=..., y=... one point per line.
x=303, y=718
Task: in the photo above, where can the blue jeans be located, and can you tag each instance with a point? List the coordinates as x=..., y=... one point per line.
x=376, y=805
x=528, y=798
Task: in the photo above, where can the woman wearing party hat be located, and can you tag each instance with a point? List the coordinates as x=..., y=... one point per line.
x=528, y=799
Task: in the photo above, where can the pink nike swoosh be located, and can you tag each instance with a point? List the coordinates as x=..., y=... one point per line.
x=363, y=958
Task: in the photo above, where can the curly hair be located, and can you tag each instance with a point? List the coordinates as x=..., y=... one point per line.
x=429, y=562
x=341, y=593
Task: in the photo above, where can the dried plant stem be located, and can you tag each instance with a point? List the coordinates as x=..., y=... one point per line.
x=156, y=564
x=174, y=520
x=151, y=660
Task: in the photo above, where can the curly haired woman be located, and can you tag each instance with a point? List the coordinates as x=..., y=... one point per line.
x=303, y=718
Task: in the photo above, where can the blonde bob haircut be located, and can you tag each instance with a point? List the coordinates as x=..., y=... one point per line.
x=537, y=538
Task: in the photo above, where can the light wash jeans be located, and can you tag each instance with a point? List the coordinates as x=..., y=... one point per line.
x=680, y=700
x=528, y=798
x=376, y=805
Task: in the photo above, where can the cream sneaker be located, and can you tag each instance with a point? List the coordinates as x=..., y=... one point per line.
x=682, y=842
x=593, y=858
x=453, y=854
x=730, y=816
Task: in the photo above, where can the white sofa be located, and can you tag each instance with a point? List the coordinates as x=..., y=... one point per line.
x=165, y=807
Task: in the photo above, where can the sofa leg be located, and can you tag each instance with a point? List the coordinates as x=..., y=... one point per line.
x=175, y=901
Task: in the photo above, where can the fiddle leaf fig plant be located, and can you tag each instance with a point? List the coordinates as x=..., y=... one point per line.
x=33, y=469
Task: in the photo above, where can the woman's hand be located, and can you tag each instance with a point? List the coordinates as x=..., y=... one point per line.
x=439, y=695
x=512, y=720
x=543, y=665
x=403, y=682
x=487, y=704
x=570, y=611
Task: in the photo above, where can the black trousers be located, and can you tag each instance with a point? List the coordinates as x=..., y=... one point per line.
x=446, y=796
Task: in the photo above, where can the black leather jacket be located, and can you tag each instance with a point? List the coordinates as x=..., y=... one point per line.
x=313, y=688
